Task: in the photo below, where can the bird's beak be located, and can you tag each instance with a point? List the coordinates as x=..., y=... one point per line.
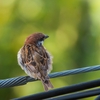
x=46, y=36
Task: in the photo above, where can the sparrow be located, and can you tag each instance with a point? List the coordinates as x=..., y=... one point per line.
x=35, y=60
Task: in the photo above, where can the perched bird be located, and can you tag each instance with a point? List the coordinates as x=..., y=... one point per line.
x=35, y=60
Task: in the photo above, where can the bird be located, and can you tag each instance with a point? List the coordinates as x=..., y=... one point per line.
x=35, y=60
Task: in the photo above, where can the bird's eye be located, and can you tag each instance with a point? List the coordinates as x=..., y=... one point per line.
x=41, y=39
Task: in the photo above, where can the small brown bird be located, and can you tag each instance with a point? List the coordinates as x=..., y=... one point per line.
x=35, y=60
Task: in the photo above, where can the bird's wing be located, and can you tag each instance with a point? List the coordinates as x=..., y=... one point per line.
x=42, y=59
x=35, y=61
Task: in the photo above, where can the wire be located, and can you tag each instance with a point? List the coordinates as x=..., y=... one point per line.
x=62, y=91
x=98, y=98
x=78, y=95
x=13, y=81
x=10, y=82
x=75, y=71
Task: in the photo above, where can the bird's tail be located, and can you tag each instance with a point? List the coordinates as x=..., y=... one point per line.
x=47, y=84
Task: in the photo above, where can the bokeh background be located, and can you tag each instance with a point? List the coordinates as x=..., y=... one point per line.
x=74, y=30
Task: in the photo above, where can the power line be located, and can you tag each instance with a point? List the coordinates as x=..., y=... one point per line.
x=63, y=90
x=16, y=81
x=78, y=95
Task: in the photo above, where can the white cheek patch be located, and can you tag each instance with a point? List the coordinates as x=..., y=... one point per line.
x=40, y=43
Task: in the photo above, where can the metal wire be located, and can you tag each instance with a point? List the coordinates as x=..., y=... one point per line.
x=78, y=95
x=10, y=82
x=75, y=71
x=61, y=91
x=98, y=98
x=13, y=81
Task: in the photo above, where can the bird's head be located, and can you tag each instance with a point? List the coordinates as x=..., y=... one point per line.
x=36, y=39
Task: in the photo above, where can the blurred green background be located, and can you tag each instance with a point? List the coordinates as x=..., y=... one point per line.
x=74, y=30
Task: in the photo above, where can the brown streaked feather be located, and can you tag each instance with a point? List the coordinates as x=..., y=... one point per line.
x=36, y=60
